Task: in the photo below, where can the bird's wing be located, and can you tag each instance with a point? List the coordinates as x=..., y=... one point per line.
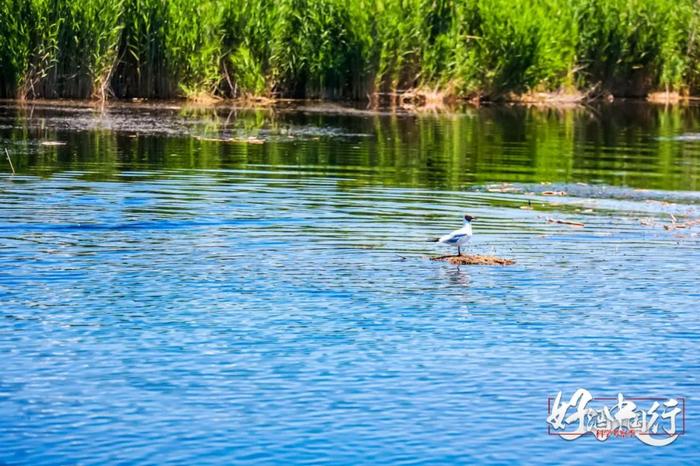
x=453, y=237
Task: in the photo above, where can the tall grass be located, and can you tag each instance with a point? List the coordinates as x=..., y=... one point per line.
x=345, y=48
x=247, y=29
x=15, y=48
x=58, y=48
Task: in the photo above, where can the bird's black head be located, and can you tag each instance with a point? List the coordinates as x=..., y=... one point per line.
x=468, y=218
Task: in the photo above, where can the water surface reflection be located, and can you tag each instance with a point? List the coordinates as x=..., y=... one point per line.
x=164, y=295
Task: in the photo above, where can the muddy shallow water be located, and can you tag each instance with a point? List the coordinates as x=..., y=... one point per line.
x=254, y=286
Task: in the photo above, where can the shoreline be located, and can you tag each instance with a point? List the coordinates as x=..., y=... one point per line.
x=411, y=101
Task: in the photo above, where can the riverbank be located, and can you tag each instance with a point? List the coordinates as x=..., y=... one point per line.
x=399, y=103
x=483, y=50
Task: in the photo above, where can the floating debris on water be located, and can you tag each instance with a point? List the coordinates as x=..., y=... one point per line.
x=681, y=137
x=675, y=224
x=654, y=201
x=248, y=140
x=503, y=188
x=554, y=193
x=474, y=260
x=565, y=222
x=53, y=143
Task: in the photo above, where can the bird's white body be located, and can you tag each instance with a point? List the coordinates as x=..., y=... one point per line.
x=458, y=237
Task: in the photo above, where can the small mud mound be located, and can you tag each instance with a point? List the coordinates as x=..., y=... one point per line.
x=474, y=260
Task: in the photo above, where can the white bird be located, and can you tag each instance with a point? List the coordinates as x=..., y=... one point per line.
x=458, y=237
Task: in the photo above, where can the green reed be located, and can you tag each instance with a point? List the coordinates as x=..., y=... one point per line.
x=345, y=48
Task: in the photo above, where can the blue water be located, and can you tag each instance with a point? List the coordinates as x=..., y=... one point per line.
x=276, y=314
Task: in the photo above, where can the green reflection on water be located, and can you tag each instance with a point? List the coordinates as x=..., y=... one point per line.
x=632, y=144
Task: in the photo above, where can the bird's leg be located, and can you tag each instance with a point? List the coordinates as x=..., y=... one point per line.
x=459, y=251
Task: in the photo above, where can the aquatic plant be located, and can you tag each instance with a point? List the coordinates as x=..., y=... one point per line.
x=345, y=48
